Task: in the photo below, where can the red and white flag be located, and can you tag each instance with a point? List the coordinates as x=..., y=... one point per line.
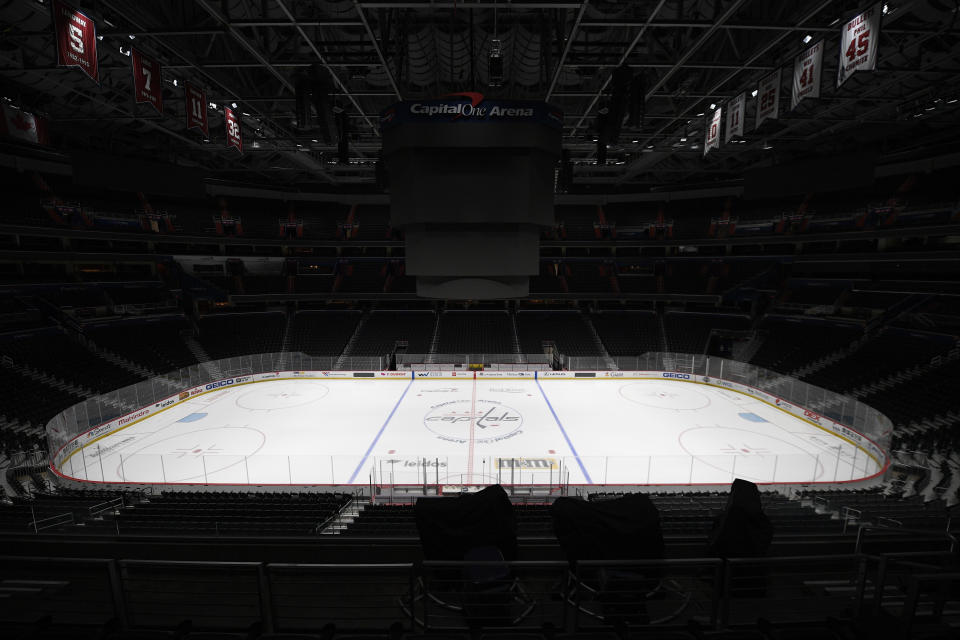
x=147, y=82
x=234, y=137
x=858, y=43
x=806, y=74
x=735, y=114
x=25, y=126
x=76, y=38
x=768, y=97
x=713, y=133
x=197, y=109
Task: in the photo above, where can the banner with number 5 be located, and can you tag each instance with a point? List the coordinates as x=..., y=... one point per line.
x=234, y=139
x=76, y=38
x=858, y=43
x=197, y=109
x=147, y=82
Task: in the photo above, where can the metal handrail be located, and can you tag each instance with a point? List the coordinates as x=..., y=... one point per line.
x=901, y=530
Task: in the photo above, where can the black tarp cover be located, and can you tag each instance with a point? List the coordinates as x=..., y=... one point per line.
x=449, y=527
x=626, y=528
x=742, y=530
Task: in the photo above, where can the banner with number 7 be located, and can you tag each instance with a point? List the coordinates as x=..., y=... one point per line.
x=858, y=43
x=147, y=81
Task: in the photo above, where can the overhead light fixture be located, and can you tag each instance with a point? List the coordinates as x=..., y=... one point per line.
x=314, y=140
x=767, y=145
x=495, y=63
x=807, y=38
x=174, y=82
x=713, y=105
x=699, y=115
x=233, y=105
x=683, y=139
x=886, y=9
x=213, y=105
x=99, y=37
x=132, y=37
x=754, y=94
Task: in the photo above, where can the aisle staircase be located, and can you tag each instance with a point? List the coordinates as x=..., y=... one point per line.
x=906, y=375
x=344, y=518
x=203, y=358
x=354, y=339
x=514, y=336
x=434, y=338
x=286, y=341
x=610, y=363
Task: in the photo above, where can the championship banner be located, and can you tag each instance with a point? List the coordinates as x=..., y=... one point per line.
x=232, y=122
x=147, y=83
x=76, y=38
x=736, y=111
x=806, y=74
x=23, y=125
x=713, y=133
x=768, y=97
x=858, y=43
x=197, y=109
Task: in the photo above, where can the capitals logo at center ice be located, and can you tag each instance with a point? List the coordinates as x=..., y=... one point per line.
x=492, y=421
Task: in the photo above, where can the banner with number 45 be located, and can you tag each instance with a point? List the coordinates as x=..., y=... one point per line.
x=858, y=43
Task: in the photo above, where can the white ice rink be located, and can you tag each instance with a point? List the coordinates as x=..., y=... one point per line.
x=472, y=431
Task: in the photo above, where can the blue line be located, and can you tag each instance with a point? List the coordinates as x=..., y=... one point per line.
x=379, y=433
x=564, y=432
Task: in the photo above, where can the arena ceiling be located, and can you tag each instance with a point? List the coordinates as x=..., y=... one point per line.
x=690, y=54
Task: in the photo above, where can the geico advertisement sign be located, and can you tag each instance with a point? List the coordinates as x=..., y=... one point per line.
x=218, y=384
x=676, y=376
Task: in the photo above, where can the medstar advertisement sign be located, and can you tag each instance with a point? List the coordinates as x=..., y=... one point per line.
x=470, y=107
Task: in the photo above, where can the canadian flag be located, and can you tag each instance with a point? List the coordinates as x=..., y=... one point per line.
x=23, y=125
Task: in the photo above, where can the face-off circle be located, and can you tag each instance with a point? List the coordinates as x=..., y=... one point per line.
x=665, y=395
x=196, y=455
x=283, y=396
x=492, y=421
x=749, y=454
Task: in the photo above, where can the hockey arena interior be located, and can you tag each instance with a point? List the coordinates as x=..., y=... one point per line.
x=479, y=319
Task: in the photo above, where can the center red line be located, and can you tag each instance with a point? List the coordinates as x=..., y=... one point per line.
x=473, y=422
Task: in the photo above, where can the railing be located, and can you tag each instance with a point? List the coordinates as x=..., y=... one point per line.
x=516, y=597
x=50, y=522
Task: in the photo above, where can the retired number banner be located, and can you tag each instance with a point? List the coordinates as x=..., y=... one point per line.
x=76, y=38
x=197, y=109
x=806, y=74
x=768, y=97
x=858, y=43
x=713, y=133
x=147, y=84
x=232, y=122
x=735, y=113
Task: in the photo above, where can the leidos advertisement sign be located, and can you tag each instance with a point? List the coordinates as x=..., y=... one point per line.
x=470, y=107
